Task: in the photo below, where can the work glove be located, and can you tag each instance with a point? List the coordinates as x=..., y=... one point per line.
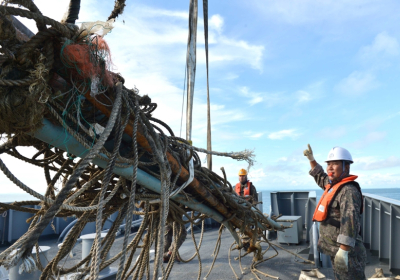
x=308, y=153
x=342, y=260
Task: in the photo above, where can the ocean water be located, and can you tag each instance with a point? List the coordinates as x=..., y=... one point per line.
x=11, y=197
x=393, y=193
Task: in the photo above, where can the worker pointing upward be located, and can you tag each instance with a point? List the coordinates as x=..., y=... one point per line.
x=339, y=211
x=246, y=188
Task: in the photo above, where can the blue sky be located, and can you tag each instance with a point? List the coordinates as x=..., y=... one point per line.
x=282, y=74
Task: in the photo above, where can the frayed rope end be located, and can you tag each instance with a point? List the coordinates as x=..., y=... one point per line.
x=12, y=259
x=28, y=265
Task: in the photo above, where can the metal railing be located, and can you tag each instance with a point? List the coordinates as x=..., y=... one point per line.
x=381, y=229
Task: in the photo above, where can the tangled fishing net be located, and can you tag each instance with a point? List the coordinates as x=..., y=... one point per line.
x=61, y=80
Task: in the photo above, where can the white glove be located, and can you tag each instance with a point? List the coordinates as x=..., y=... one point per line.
x=342, y=260
x=308, y=153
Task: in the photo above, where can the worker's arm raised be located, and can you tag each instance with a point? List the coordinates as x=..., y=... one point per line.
x=320, y=177
x=309, y=154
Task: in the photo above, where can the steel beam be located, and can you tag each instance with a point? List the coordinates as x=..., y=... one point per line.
x=58, y=137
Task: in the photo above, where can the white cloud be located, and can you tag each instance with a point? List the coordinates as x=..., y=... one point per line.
x=380, y=53
x=311, y=92
x=383, y=44
x=371, y=137
x=253, y=135
x=376, y=56
x=332, y=132
x=303, y=96
x=153, y=59
x=295, y=157
x=371, y=163
x=288, y=176
x=277, y=176
x=269, y=99
x=216, y=22
x=377, y=179
x=278, y=135
x=151, y=12
x=393, y=115
x=230, y=76
x=357, y=83
x=149, y=51
x=291, y=172
x=233, y=51
x=253, y=97
x=376, y=121
x=245, y=92
x=255, y=100
x=309, y=11
x=375, y=136
x=257, y=175
x=284, y=159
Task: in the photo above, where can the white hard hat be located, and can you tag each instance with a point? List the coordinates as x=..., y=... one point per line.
x=338, y=153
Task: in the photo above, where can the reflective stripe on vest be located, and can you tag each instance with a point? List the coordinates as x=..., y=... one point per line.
x=246, y=190
x=321, y=211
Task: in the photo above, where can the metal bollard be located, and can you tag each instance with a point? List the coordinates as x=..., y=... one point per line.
x=271, y=234
x=315, y=243
x=260, y=199
x=87, y=242
x=326, y=261
x=13, y=273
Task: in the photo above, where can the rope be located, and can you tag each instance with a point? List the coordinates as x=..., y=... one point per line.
x=229, y=258
x=64, y=30
x=118, y=9
x=26, y=246
x=216, y=250
x=30, y=191
x=246, y=155
x=30, y=5
x=38, y=76
x=18, y=83
x=131, y=198
x=94, y=272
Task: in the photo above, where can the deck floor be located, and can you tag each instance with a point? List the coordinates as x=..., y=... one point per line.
x=284, y=265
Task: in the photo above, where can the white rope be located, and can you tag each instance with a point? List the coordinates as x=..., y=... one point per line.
x=184, y=185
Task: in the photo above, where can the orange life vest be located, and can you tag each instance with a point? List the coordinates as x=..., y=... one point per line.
x=246, y=190
x=321, y=211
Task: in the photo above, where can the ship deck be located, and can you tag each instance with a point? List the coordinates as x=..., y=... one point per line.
x=284, y=265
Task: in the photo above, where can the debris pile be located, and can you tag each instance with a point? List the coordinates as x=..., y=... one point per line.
x=57, y=93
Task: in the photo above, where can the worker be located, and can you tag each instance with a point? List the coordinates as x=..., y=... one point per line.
x=339, y=213
x=246, y=188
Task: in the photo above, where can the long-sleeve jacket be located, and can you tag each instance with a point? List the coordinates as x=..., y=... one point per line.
x=253, y=191
x=346, y=209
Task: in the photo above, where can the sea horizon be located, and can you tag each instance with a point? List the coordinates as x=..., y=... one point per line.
x=391, y=193
x=388, y=192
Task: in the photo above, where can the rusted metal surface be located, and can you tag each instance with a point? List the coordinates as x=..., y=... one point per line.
x=195, y=186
